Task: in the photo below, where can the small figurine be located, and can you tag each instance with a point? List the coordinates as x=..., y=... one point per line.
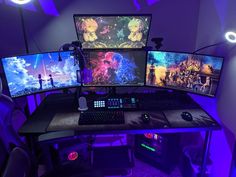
x=89, y=26
x=135, y=26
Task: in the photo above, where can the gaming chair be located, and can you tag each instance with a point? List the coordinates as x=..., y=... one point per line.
x=8, y=134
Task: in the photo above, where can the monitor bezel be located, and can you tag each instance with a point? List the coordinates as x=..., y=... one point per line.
x=109, y=15
x=181, y=90
x=38, y=92
x=123, y=50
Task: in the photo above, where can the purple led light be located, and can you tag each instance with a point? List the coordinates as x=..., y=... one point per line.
x=151, y=2
x=49, y=7
x=138, y=6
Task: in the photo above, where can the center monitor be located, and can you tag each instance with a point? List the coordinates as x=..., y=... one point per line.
x=182, y=71
x=115, y=68
x=112, y=31
x=35, y=73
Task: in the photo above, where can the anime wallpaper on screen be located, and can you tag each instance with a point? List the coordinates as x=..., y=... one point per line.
x=40, y=72
x=193, y=73
x=112, y=31
x=115, y=68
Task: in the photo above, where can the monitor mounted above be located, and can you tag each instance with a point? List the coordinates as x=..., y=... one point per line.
x=36, y=73
x=112, y=31
x=182, y=71
x=115, y=68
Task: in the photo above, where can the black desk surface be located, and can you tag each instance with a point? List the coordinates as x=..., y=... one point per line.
x=59, y=113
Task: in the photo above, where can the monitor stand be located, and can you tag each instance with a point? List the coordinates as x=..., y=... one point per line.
x=65, y=91
x=173, y=96
x=112, y=91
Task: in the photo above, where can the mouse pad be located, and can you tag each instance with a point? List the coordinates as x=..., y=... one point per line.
x=157, y=120
x=199, y=118
x=63, y=121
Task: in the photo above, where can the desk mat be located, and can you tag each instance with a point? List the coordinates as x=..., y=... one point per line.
x=63, y=121
x=69, y=121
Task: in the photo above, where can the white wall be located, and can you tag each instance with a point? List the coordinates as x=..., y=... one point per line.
x=216, y=17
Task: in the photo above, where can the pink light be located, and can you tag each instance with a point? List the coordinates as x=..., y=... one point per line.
x=73, y=156
x=148, y=135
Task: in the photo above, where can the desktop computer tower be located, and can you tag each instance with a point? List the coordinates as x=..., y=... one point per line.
x=158, y=150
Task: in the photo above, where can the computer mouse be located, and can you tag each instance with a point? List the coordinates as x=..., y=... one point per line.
x=145, y=118
x=187, y=116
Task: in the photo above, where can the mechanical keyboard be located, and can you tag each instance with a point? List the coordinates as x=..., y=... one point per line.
x=101, y=117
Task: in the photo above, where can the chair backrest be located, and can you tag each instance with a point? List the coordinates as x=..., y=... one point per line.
x=7, y=133
x=3, y=156
x=0, y=86
x=18, y=164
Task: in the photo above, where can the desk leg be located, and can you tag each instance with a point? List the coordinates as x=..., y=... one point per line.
x=205, y=152
x=31, y=142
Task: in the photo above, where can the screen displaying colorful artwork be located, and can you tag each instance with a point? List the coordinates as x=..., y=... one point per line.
x=115, y=68
x=192, y=73
x=40, y=72
x=112, y=31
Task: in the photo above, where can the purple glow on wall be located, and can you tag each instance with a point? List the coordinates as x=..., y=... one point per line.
x=151, y=2
x=138, y=6
x=221, y=8
x=49, y=7
x=31, y=104
x=220, y=150
x=208, y=104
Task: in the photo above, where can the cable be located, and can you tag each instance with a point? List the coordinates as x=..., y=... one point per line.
x=208, y=46
x=24, y=31
x=37, y=46
x=77, y=52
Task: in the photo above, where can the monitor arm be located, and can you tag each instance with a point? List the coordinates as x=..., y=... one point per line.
x=78, y=53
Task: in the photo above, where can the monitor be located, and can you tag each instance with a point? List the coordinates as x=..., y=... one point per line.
x=182, y=71
x=35, y=73
x=115, y=68
x=112, y=31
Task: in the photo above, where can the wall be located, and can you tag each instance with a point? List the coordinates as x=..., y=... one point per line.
x=174, y=21
x=215, y=18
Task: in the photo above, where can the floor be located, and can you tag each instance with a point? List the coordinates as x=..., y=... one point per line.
x=143, y=169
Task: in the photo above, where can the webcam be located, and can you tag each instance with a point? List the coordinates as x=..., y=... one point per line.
x=158, y=42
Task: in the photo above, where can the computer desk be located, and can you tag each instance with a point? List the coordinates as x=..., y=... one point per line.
x=57, y=117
